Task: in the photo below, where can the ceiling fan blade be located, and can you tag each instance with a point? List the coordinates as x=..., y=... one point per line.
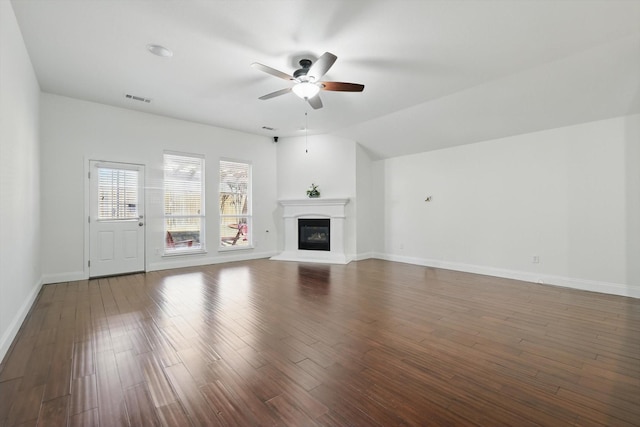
x=315, y=102
x=271, y=71
x=342, y=87
x=276, y=93
x=321, y=66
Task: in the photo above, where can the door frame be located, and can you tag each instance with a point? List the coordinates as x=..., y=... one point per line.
x=87, y=211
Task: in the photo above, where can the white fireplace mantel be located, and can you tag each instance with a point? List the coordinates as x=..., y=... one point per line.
x=334, y=209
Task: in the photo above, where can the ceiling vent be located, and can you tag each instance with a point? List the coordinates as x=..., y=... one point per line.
x=137, y=98
x=268, y=128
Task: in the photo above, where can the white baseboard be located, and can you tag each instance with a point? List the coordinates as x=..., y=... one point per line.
x=63, y=277
x=11, y=332
x=183, y=261
x=567, y=282
x=363, y=256
x=321, y=257
x=179, y=261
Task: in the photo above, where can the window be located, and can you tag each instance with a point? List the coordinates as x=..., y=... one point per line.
x=117, y=193
x=235, y=205
x=183, y=203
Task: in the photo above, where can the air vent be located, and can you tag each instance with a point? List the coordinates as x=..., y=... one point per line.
x=137, y=98
x=268, y=128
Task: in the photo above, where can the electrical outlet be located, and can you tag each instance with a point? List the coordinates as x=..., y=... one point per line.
x=536, y=259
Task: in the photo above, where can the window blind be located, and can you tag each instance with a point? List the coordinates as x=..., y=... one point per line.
x=117, y=194
x=183, y=202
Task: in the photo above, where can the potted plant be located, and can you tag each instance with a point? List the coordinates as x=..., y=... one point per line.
x=313, y=192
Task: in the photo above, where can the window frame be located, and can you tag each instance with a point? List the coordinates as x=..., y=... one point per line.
x=248, y=216
x=185, y=249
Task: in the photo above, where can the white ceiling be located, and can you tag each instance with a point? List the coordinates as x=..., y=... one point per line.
x=436, y=73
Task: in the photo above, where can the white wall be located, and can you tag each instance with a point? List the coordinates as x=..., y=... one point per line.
x=327, y=161
x=559, y=194
x=324, y=160
x=365, y=220
x=74, y=132
x=20, y=273
x=632, y=172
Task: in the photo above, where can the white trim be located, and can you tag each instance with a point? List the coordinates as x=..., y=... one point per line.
x=233, y=160
x=235, y=248
x=15, y=324
x=182, y=262
x=183, y=153
x=567, y=282
x=314, y=201
x=116, y=165
x=64, y=277
x=184, y=253
x=363, y=256
x=171, y=262
x=87, y=229
x=320, y=257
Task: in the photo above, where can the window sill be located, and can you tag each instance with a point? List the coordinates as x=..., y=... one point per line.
x=181, y=253
x=236, y=248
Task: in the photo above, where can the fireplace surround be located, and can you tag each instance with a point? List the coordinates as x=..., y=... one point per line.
x=331, y=211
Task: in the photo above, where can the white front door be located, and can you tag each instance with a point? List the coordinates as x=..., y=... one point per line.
x=116, y=222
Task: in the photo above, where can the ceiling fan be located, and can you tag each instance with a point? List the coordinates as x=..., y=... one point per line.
x=307, y=80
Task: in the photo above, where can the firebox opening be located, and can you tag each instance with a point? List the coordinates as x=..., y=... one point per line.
x=314, y=234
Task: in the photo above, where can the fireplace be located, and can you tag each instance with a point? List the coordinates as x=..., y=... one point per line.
x=332, y=213
x=314, y=234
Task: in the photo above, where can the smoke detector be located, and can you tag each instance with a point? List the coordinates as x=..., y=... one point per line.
x=158, y=50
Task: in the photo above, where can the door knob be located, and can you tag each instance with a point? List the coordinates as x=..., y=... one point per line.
x=141, y=224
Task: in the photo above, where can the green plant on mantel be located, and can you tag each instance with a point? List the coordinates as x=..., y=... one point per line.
x=313, y=191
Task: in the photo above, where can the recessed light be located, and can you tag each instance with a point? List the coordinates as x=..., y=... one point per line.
x=158, y=50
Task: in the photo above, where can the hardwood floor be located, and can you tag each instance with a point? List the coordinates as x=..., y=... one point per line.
x=372, y=343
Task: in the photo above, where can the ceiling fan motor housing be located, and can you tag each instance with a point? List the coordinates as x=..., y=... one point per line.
x=305, y=64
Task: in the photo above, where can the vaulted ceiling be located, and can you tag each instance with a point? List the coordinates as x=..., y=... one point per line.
x=436, y=73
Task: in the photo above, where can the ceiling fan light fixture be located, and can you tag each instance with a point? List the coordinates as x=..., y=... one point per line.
x=306, y=90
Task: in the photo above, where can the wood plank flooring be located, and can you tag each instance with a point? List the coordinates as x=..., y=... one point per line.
x=372, y=343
